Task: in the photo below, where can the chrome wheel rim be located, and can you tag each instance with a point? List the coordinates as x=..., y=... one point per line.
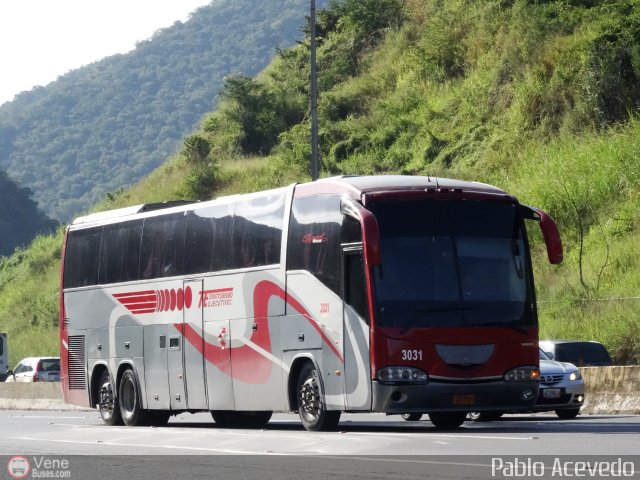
x=310, y=400
x=106, y=401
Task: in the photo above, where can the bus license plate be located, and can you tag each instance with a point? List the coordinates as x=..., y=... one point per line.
x=551, y=393
x=464, y=399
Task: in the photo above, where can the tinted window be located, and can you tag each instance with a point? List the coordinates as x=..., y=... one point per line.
x=208, y=239
x=1, y=346
x=82, y=254
x=314, y=238
x=582, y=353
x=49, y=365
x=351, y=230
x=257, y=231
x=452, y=263
x=161, y=254
x=120, y=252
x=355, y=289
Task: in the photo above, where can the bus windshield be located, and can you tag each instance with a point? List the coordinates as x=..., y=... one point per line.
x=450, y=263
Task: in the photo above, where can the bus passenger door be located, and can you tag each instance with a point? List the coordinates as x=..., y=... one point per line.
x=357, y=381
x=193, y=328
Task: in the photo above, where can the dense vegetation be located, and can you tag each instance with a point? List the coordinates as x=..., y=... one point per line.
x=106, y=125
x=20, y=218
x=537, y=97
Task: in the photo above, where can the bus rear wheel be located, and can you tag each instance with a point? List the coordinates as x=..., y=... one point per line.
x=108, y=406
x=447, y=419
x=130, y=401
x=311, y=404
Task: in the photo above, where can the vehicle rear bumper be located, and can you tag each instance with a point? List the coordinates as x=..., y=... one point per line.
x=446, y=397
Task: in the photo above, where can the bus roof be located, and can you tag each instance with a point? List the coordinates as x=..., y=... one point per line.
x=353, y=186
x=357, y=186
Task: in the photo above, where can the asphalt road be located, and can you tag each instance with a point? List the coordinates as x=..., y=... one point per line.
x=365, y=446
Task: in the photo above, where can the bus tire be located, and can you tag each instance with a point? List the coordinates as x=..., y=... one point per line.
x=130, y=401
x=107, y=405
x=311, y=404
x=447, y=420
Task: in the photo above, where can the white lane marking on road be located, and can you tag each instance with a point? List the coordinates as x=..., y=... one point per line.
x=172, y=447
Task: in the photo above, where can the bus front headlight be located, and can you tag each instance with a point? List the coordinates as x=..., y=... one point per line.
x=402, y=375
x=522, y=374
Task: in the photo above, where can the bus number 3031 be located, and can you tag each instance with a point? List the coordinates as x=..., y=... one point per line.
x=411, y=354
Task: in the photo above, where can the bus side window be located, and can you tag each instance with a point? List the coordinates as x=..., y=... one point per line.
x=257, y=231
x=314, y=238
x=355, y=286
x=120, y=252
x=161, y=254
x=81, y=257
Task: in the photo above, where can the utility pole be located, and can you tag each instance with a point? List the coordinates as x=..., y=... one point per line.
x=315, y=160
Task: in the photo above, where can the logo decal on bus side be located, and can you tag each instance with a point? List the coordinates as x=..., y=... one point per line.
x=310, y=238
x=221, y=297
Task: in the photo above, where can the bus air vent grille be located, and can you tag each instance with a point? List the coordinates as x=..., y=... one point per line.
x=77, y=364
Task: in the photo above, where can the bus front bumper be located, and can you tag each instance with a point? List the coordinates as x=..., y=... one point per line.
x=447, y=397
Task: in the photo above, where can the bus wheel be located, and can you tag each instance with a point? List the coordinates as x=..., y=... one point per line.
x=447, y=419
x=311, y=406
x=130, y=404
x=412, y=417
x=109, y=409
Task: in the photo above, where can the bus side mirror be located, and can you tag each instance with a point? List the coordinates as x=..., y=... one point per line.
x=550, y=232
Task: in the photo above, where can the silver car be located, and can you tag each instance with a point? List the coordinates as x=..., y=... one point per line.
x=561, y=390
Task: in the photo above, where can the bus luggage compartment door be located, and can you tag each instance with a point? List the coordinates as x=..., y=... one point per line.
x=194, y=361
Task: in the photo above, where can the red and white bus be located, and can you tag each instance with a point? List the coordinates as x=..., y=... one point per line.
x=394, y=294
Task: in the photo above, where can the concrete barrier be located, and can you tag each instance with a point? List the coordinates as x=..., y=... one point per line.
x=612, y=390
x=33, y=396
x=609, y=390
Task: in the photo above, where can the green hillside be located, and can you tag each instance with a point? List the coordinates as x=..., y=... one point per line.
x=106, y=125
x=537, y=97
x=20, y=218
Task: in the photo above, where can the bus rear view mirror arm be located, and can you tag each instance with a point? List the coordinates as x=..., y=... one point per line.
x=550, y=232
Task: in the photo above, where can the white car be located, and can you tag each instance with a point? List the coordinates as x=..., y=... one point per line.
x=36, y=369
x=561, y=390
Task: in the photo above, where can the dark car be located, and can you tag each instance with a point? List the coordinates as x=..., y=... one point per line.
x=579, y=352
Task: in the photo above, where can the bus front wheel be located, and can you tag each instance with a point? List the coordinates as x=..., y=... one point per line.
x=108, y=406
x=447, y=419
x=130, y=401
x=311, y=404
